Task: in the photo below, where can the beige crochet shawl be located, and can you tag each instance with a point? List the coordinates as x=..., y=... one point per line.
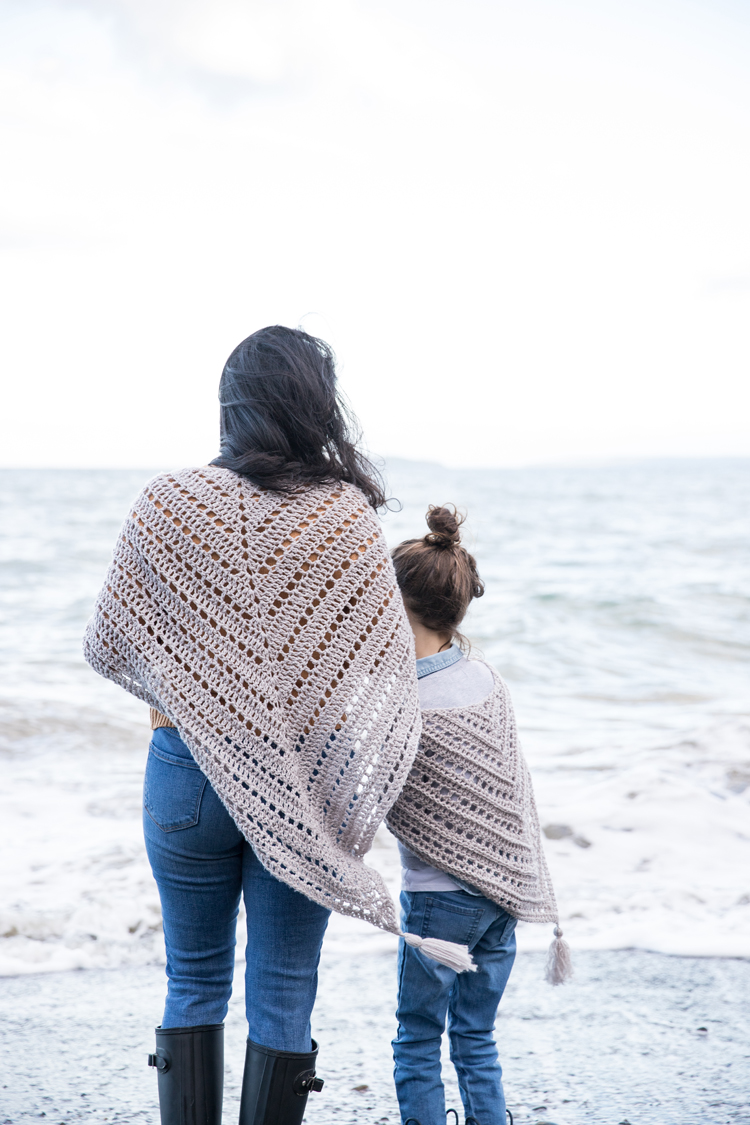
x=270, y=630
x=468, y=806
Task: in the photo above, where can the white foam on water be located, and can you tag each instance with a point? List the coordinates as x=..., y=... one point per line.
x=623, y=637
x=75, y=886
x=658, y=855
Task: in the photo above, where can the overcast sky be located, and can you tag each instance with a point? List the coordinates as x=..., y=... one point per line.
x=523, y=224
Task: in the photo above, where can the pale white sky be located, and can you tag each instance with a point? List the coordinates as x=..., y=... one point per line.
x=523, y=224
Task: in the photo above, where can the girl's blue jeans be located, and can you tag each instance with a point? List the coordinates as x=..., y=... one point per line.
x=202, y=865
x=429, y=993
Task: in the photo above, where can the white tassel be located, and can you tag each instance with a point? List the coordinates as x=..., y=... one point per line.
x=559, y=962
x=449, y=953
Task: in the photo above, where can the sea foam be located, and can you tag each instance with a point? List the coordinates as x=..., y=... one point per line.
x=617, y=609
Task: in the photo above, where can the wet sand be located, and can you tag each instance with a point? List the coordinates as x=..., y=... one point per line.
x=638, y=1038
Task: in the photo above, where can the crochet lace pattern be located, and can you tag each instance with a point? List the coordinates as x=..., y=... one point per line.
x=468, y=806
x=270, y=630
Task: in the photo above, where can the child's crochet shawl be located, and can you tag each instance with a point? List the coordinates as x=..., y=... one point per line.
x=270, y=630
x=468, y=806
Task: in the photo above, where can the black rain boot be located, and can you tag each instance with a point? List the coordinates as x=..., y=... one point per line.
x=190, y=1064
x=275, y=1085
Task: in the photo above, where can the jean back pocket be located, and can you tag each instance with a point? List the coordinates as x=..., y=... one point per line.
x=452, y=921
x=173, y=786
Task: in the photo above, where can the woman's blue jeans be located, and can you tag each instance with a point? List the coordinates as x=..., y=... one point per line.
x=429, y=992
x=202, y=864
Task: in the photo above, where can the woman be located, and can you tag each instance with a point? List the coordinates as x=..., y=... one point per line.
x=253, y=606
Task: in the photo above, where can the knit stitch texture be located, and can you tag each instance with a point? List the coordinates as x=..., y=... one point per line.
x=468, y=806
x=270, y=630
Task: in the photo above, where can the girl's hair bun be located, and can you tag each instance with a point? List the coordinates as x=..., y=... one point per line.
x=444, y=525
x=437, y=576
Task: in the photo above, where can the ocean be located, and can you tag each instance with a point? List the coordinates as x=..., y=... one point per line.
x=617, y=608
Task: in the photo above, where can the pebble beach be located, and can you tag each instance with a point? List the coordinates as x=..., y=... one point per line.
x=636, y=1037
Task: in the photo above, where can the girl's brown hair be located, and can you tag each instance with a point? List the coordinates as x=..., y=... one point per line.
x=437, y=576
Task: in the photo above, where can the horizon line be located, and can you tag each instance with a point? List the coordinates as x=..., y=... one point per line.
x=380, y=460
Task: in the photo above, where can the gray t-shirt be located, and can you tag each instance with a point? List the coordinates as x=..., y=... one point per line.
x=446, y=679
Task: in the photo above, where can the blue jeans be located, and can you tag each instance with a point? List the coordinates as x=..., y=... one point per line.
x=202, y=864
x=428, y=992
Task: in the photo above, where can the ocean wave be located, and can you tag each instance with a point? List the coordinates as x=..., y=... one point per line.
x=617, y=609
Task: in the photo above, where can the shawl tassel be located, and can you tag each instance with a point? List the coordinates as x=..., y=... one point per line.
x=559, y=961
x=449, y=953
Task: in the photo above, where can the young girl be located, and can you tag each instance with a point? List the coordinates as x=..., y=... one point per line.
x=470, y=844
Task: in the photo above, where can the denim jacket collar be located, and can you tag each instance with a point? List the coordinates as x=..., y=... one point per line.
x=426, y=665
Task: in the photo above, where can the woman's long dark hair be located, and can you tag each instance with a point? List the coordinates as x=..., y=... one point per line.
x=283, y=422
